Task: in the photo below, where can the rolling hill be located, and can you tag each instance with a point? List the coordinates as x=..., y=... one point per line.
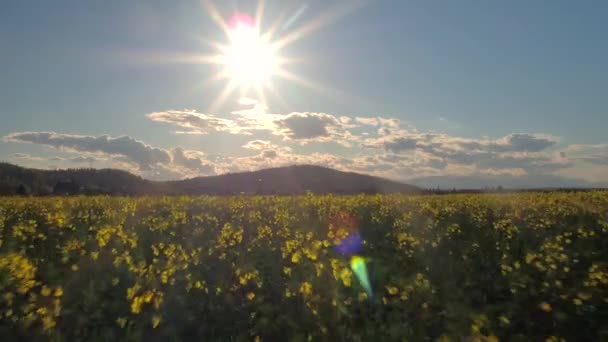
x=291, y=180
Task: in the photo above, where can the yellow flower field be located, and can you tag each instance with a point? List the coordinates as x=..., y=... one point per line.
x=528, y=266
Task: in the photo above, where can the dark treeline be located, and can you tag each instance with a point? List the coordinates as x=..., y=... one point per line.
x=23, y=181
x=292, y=180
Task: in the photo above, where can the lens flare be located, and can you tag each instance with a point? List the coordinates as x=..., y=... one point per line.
x=357, y=264
x=351, y=244
x=344, y=227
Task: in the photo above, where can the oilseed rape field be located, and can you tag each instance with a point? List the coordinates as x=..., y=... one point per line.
x=462, y=267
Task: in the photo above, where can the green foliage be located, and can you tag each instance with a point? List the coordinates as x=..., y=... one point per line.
x=529, y=266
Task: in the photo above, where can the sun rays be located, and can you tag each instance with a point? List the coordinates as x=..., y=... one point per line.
x=250, y=58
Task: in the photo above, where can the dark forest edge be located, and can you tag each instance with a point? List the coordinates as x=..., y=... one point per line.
x=290, y=180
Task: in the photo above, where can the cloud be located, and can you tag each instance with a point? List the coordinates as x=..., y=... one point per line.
x=296, y=127
x=378, y=121
x=444, y=145
x=76, y=160
x=83, y=159
x=345, y=120
x=524, y=142
x=28, y=157
x=306, y=125
x=259, y=145
x=269, y=154
x=143, y=155
x=401, y=144
x=377, y=145
x=194, y=122
x=513, y=153
x=528, y=162
x=304, y=128
x=191, y=161
x=591, y=154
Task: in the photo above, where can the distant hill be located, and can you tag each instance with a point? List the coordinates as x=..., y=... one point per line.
x=481, y=182
x=289, y=180
x=85, y=181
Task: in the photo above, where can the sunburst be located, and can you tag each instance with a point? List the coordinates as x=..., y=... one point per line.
x=249, y=59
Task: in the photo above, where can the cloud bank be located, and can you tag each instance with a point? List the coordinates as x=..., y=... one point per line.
x=376, y=145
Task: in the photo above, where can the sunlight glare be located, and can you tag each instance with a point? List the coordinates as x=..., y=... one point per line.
x=249, y=59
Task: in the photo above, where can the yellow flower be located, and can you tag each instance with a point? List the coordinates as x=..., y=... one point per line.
x=136, y=305
x=148, y=296
x=295, y=257
x=58, y=292
x=250, y=295
x=48, y=323
x=155, y=321
x=45, y=291
x=577, y=301
x=306, y=288
x=545, y=307
x=392, y=290
x=74, y=267
x=346, y=275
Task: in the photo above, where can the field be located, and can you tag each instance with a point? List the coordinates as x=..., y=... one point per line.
x=513, y=267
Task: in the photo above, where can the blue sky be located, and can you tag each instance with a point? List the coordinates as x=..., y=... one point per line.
x=456, y=88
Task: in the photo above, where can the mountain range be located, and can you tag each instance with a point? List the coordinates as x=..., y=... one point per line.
x=290, y=180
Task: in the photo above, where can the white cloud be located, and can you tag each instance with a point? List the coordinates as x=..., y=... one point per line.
x=259, y=145
x=26, y=157
x=194, y=122
x=379, y=121
x=83, y=159
x=592, y=154
x=376, y=145
x=145, y=156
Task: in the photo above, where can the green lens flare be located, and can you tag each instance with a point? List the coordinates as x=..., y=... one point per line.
x=357, y=264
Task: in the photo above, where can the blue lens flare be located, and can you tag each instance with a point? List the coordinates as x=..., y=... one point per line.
x=350, y=245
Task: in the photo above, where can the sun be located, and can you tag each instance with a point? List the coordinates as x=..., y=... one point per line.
x=249, y=59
